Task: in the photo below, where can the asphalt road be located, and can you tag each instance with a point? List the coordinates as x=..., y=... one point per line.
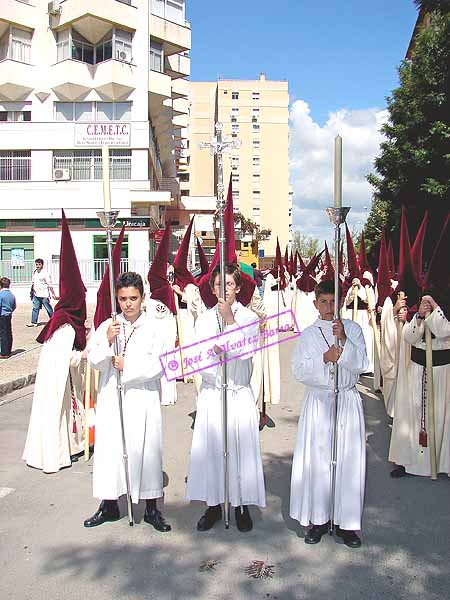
x=46, y=553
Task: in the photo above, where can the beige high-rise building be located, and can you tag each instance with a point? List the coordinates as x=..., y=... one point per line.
x=256, y=113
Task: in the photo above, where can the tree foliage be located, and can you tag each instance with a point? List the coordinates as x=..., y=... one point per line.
x=414, y=165
x=305, y=244
x=249, y=227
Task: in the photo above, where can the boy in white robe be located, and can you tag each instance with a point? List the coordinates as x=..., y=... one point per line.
x=313, y=362
x=206, y=469
x=141, y=342
x=411, y=400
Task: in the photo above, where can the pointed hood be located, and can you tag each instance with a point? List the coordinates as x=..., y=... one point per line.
x=417, y=249
x=300, y=261
x=384, y=276
x=391, y=261
x=352, y=261
x=328, y=274
x=406, y=278
x=248, y=284
x=71, y=307
x=204, y=264
x=103, y=309
x=182, y=274
x=437, y=280
x=278, y=266
x=286, y=258
x=291, y=266
x=306, y=282
x=157, y=275
x=295, y=265
x=363, y=261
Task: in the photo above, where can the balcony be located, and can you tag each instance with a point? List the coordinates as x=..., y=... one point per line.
x=175, y=38
x=160, y=85
x=114, y=79
x=16, y=13
x=94, y=19
x=180, y=107
x=177, y=66
x=180, y=88
x=16, y=80
x=71, y=80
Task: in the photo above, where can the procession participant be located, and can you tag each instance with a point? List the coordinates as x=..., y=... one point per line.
x=305, y=309
x=206, y=469
x=56, y=431
x=275, y=293
x=313, y=363
x=141, y=342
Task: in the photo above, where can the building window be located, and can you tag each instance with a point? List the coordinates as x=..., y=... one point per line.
x=256, y=161
x=256, y=144
x=93, y=111
x=235, y=111
x=235, y=178
x=15, y=44
x=86, y=165
x=235, y=95
x=156, y=57
x=170, y=10
x=255, y=95
x=255, y=115
x=235, y=163
x=235, y=128
x=15, y=115
x=15, y=165
x=256, y=197
x=236, y=195
x=10, y=245
x=116, y=44
x=256, y=128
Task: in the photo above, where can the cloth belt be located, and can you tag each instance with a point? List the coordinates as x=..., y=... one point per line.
x=440, y=357
x=361, y=305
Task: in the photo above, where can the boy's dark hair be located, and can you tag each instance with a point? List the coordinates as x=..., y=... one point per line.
x=254, y=265
x=5, y=282
x=230, y=269
x=130, y=279
x=39, y=260
x=324, y=287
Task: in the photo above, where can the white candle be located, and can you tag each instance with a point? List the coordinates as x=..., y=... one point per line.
x=338, y=172
x=106, y=186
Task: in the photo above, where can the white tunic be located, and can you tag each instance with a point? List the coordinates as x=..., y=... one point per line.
x=206, y=469
x=305, y=311
x=405, y=449
x=141, y=411
x=51, y=440
x=310, y=482
x=388, y=354
x=363, y=321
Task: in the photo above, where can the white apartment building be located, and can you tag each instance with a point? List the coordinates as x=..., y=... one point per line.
x=76, y=75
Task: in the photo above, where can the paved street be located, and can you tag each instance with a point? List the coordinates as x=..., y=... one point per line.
x=47, y=553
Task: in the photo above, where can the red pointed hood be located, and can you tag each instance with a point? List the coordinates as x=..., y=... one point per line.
x=71, y=307
x=248, y=284
x=286, y=258
x=278, y=266
x=383, y=276
x=328, y=274
x=157, y=275
x=182, y=274
x=406, y=277
x=306, y=282
x=300, y=261
x=295, y=265
x=363, y=261
x=352, y=261
x=417, y=249
x=391, y=261
x=204, y=264
x=103, y=309
x=437, y=277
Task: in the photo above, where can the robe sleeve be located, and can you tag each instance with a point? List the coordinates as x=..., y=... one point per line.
x=438, y=323
x=354, y=355
x=148, y=368
x=99, y=352
x=244, y=335
x=414, y=330
x=308, y=366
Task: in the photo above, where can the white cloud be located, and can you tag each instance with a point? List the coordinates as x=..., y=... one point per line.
x=311, y=165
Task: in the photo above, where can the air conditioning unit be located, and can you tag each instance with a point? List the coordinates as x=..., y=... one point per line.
x=54, y=8
x=61, y=174
x=124, y=55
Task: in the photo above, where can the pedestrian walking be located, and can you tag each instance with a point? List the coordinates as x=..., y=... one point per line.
x=7, y=307
x=41, y=288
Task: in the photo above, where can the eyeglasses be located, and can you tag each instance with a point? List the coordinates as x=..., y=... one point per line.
x=229, y=285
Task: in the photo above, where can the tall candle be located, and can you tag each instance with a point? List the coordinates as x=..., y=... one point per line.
x=338, y=172
x=106, y=186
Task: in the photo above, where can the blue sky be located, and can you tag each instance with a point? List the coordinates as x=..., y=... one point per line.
x=340, y=58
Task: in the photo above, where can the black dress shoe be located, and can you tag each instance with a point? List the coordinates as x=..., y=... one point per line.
x=315, y=533
x=154, y=517
x=243, y=519
x=349, y=537
x=107, y=511
x=398, y=472
x=210, y=518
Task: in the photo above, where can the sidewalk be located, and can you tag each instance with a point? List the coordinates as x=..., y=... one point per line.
x=20, y=370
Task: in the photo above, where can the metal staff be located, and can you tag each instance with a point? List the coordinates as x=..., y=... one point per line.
x=217, y=146
x=337, y=216
x=108, y=219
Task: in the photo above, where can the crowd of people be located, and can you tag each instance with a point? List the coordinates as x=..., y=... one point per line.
x=379, y=333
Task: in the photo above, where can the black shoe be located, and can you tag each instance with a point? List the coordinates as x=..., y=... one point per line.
x=210, y=518
x=315, y=533
x=154, y=517
x=398, y=472
x=350, y=538
x=243, y=519
x=107, y=511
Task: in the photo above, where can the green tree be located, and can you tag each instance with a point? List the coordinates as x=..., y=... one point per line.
x=249, y=227
x=305, y=244
x=414, y=165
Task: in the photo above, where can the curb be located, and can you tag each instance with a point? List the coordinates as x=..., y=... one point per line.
x=17, y=384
